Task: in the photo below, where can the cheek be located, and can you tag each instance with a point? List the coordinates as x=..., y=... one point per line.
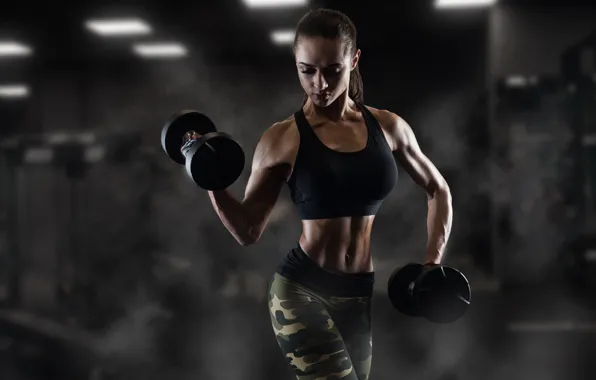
x=340, y=81
x=346, y=77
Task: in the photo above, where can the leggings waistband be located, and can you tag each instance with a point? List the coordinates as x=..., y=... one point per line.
x=297, y=266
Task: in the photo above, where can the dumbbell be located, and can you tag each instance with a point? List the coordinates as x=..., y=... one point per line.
x=213, y=160
x=439, y=293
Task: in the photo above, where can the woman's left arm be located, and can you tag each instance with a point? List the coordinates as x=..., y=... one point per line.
x=408, y=154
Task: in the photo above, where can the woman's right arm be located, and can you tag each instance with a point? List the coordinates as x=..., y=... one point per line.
x=246, y=220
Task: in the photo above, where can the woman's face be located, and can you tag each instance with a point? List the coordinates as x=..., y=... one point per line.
x=324, y=68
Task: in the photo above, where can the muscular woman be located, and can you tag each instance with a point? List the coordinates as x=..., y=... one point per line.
x=339, y=158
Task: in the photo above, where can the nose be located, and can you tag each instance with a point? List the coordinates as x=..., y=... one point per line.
x=320, y=82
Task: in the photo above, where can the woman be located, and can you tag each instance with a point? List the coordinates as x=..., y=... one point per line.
x=338, y=158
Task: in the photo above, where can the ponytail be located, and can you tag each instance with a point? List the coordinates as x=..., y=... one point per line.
x=356, y=89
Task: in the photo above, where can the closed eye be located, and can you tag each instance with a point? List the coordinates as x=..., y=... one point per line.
x=326, y=71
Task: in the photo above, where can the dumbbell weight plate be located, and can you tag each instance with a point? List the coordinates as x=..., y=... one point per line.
x=443, y=294
x=216, y=161
x=399, y=289
x=176, y=127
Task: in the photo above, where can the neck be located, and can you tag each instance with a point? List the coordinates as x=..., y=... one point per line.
x=335, y=111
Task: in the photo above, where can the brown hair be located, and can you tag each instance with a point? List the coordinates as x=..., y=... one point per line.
x=332, y=24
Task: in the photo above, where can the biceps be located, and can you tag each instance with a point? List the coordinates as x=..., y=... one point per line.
x=421, y=170
x=262, y=192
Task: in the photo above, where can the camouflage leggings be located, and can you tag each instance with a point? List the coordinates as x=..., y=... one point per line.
x=321, y=337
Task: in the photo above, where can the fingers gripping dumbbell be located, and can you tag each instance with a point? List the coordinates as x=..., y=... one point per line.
x=213, y=160
x=438, y=293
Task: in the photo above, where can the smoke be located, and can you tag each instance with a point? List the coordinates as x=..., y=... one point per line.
x=538, y=165
x=133, y=338
x=225, y=283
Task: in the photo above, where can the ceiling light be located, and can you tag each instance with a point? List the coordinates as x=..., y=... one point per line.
x=14, y=91
x=12, y=49
x=118, y=27
x=283, y=37
x=463, y=3
x=160, y=50
x=274, y=3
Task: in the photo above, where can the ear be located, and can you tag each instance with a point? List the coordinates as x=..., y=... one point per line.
x=356, y=59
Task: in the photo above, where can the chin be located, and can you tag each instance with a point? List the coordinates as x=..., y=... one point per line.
x=322, y=102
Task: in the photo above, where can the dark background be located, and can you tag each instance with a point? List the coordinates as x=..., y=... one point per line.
x=120, y=268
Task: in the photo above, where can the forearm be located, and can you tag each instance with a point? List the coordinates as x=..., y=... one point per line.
x=439, y=220
x=233, y=216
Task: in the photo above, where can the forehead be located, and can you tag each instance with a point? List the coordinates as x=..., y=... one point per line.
x=319, y=51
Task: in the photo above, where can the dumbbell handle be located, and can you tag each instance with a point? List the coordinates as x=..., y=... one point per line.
x=193, y=135
x=427, y=267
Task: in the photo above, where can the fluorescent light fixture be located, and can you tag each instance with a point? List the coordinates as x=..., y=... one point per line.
x=160, y=50
x=274, y=3
x=12, y=49
x=283, y=37
x=118, y=27
x=464, y=3
x=14, y=91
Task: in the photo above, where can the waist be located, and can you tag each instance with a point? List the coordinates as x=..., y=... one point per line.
x=299, y=267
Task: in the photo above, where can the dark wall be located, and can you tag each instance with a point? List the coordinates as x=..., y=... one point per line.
x=528, y=41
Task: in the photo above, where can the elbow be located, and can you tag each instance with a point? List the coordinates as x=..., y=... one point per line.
x=445, y=191
x=441, y=190
x=247, y=241
x=251, y=236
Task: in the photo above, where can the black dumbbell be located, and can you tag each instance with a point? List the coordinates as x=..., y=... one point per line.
x=438, y=293
x=213, y=159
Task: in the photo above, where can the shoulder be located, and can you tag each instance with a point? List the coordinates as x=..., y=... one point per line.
x=278, y=143
x=394, y=127
x=280, y=131
x=388, y=120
